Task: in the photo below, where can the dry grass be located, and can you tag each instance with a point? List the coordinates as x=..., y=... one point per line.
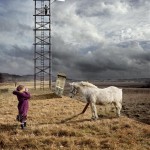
x=54, y=123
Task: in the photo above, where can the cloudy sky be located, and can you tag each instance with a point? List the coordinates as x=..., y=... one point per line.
x=91, y=39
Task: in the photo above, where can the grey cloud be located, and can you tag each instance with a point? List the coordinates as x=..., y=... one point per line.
x=138, y=3
x=22, y=52
x=103, y=9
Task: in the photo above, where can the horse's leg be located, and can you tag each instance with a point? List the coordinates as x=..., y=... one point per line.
x=118, y=108
x=94, y=110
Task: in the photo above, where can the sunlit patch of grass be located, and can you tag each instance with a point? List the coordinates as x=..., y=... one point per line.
x=105, y=144
x=37, y=132
x=95, y=129
x=4, y=141
x=87, y=142
x=63, y=132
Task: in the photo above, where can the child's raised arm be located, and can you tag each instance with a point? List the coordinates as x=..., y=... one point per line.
x=15, y=92
x=22, y=94
x=26, y=95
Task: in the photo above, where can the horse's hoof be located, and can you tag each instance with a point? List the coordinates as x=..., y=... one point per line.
x=118, y=116
x=94, y=118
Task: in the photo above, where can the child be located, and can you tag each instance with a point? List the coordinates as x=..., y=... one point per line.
x=23, y=95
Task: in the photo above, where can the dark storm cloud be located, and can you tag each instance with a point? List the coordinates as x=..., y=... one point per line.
x=113, y=60
x=20, y=52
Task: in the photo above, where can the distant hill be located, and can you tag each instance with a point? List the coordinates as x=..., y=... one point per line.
x=5, y=77
x=134, y=82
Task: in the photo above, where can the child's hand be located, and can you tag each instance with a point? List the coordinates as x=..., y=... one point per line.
x=26, y=90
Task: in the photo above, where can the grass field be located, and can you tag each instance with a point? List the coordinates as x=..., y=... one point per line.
x=54, y=123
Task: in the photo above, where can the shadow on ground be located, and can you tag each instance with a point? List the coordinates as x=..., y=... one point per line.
x=45, y=96
x=8, y=127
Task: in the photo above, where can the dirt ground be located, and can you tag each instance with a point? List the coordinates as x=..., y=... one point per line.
x=136, y=104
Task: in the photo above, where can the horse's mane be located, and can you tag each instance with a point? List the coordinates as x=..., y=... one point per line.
x=88, y=84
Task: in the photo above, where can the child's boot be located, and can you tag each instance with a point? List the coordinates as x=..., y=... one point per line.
x=25, y=124
x=22, y=125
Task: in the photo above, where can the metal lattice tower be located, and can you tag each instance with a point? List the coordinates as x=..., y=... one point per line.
x=42, y=44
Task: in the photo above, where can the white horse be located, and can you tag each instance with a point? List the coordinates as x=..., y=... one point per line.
x=95, y=95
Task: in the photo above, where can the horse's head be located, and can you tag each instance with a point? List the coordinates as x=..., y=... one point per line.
x=74, y=89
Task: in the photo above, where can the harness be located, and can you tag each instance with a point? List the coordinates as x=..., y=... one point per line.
x=74, y=91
